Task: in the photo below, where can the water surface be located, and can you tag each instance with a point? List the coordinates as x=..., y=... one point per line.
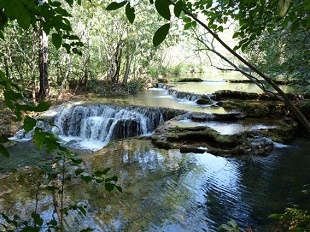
x=170, y=191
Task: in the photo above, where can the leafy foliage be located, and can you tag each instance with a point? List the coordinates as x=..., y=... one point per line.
x=295, y=219
x=230, y=226
x=281, y=53
x=51, y=15
x=254, y=17
x=53, y=18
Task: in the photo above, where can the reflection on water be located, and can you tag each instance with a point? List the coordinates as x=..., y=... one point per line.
x=170, y=191
x=230, y=128
x=220, y=81
x=212, y=86
x=156, y=97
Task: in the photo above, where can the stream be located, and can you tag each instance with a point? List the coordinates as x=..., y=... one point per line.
x=164, y=190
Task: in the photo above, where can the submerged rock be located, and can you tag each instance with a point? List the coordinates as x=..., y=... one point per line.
x=204, y=100
x=261, y=146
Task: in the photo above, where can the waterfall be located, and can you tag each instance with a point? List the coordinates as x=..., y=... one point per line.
x=93, y=126
x=104, y=123
x=193, y=97
x=184, y=95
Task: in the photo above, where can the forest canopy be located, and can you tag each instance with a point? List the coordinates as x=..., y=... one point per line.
x=91, y=43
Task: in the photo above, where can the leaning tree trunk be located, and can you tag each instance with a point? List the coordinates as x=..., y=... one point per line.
x=43, y=66
x=299, y=115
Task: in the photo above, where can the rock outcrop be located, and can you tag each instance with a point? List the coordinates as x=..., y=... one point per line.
x=201, y=139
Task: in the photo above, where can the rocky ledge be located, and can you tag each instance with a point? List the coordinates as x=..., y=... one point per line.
x=200, y=139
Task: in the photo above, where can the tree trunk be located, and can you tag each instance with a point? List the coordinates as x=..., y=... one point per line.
x=127, y=69
x=43, y=66
x=115, y=66
x=64, y=79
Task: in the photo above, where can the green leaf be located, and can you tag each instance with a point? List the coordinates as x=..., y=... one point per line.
x=187, y=26
x=29, y=123
x=37, y=219
x=38, y=138
x=113, y=178
x=1, y=34
x=115, y=5
x=233, y=223
x=3, y=139
x=130, y=13
x=187, y=19
x=162, y=8
x=283, y=6
x=161, y=34
x=87, y=230
x=109, y=187
x=82, y=209
x=225, y=227
x=76, y=161
x=178, y=8
x=55, y=4
x=87, y=179
x=42, y=106
x=100, y=173
x=4, y=151
x=79, y=171
x=57, y=40
x=52, y=222
x=295, y=26
x=15, y=9
x=119, y=188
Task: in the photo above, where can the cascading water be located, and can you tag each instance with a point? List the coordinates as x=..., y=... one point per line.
x=103, y=123
x=193, y=97
x=93, y=126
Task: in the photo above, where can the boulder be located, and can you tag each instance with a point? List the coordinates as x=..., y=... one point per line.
x=204, y=100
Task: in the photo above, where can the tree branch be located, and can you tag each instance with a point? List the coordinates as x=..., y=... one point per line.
x=294, y=108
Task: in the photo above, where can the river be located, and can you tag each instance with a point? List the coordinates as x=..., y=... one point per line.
x=165, y=190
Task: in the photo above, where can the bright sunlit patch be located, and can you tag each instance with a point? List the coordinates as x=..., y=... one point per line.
x=280, y=145
x=157, y=89
x=262, y=127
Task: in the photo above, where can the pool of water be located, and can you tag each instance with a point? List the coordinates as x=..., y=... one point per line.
x=170, y=191
x=164, y=190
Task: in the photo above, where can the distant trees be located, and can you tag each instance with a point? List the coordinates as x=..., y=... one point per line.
x=94, y=44
x=116, y=49
x=254, y=18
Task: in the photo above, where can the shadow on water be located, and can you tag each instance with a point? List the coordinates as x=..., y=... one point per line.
x=169, y=191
